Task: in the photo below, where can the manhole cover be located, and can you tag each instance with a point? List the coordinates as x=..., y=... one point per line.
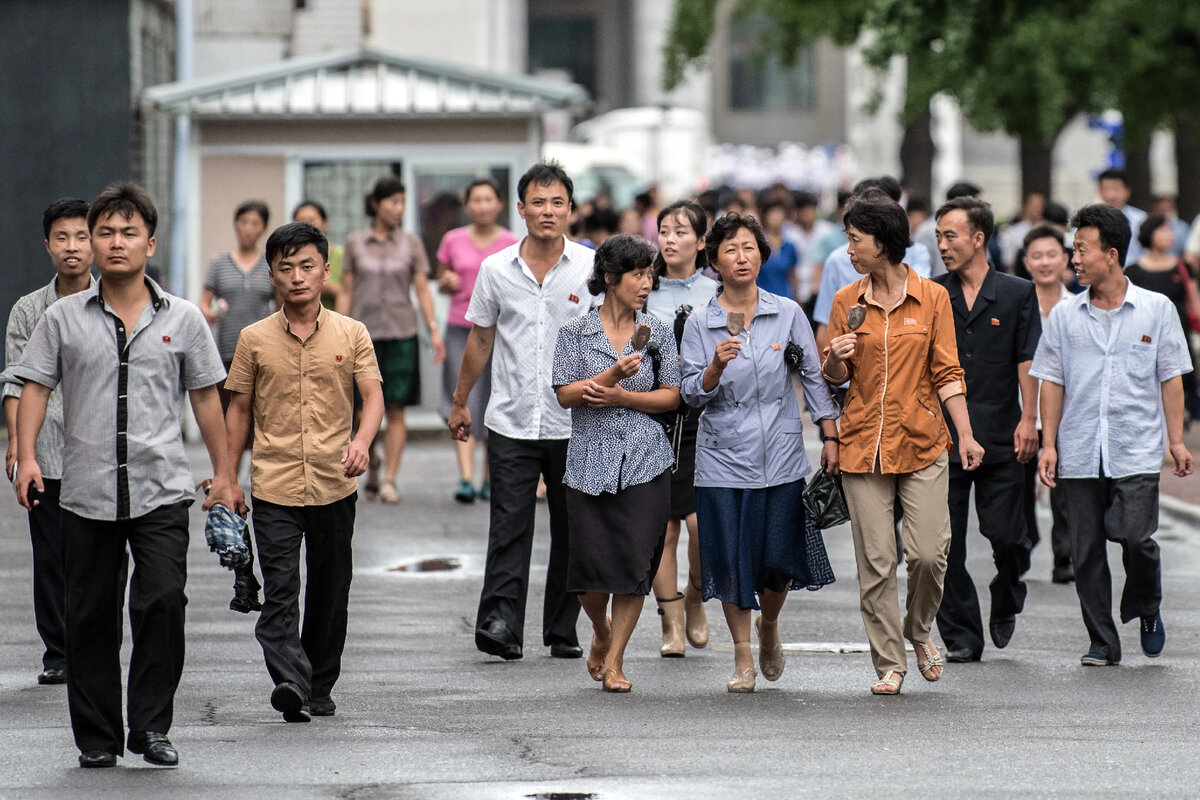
x=442, y=564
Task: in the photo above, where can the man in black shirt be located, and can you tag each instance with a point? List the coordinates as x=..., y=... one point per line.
x=997, y=324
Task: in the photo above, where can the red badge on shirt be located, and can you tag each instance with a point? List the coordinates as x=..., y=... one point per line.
x=909, y=321
x=996, y=322
x=574, y=298
x=776, y=347
x=167, y=339
x=339, y=358
x=1145, y=339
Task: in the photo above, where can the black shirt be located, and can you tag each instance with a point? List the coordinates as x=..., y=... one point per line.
x=999, y=332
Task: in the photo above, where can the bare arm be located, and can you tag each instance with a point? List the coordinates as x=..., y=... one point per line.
x=237, y=430
x=475, y=357
x=1025, y=436
x=10, y=418
x=346, y=295
x=425, y=301
x=31, y=414
x=1051, y=403
x=1173, y=405
x=356, y=455
x=970, y=452
x=206, y=405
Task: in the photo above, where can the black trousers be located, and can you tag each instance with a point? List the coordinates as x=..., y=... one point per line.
x=49, y=591
x=999, y=490
x=1122, y=510
x=93, y=557
x=515, y=465
x=312, y=658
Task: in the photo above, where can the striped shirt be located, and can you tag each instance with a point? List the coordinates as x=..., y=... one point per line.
x=122, y=394
x=250, y=296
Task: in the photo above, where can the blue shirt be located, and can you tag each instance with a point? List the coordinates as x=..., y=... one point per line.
x=775, y=274
x=750, y=433
x=839, y=272
x=1112, y=399
x=694, y=290
x=612, y=448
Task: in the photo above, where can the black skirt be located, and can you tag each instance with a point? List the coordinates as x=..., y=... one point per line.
x=682, y=435
x=616, y=540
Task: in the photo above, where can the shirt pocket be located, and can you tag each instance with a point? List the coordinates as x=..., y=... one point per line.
x=717, y=439
x=1140, y=360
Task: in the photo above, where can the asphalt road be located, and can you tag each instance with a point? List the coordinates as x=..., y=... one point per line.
x=421, y=714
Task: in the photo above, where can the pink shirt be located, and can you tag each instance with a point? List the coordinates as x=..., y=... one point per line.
x=461, y=255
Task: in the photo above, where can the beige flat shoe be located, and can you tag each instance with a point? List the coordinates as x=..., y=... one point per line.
x=387, y=494
x=615, y=682
x=770, y=655
x=697, y=621
x=742, y=681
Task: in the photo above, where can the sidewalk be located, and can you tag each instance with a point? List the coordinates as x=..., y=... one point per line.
x=1180, y=497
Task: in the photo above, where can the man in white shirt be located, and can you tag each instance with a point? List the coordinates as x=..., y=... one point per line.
x=1110, y=361
x=523, y=295
x=1114, y=191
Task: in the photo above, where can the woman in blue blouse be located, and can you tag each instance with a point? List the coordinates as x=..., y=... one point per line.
x=756, y=541
x=778, y=271
x=618, y=486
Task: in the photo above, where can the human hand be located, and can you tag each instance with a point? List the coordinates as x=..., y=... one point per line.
x=1048, y=465
x=598, y=395
x=355, y=458
x=1025, y=440
x=842, y=348
x=830, y=461
x=726, y=350
x=439, y=347
x=448, y=282
x=1182, y=459
x=460, y=421
x=627, y=366
x=970, y=452
x=227, y=493
x=30, y=474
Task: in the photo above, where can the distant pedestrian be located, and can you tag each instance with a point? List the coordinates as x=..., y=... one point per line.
x=383, y=267
x=1113, y=186
x=295, y=373
x=523, y=295
x=757, y=543
x=314, y=213
x=123, y=354
x=1110, y=361
x=459, y=256
x=618, y=460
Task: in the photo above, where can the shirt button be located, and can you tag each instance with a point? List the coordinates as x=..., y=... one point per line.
x=970, y=330
x=620, y=436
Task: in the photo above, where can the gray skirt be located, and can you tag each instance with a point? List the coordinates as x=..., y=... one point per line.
x=455, y=339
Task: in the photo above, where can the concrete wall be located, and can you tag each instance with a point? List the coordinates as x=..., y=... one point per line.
x=226, y=181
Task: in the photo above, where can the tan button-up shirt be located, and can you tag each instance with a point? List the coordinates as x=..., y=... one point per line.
x=905, y=361
x=303, y=399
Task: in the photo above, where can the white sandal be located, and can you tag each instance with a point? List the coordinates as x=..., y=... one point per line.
x=931, y=660
x=889, y=684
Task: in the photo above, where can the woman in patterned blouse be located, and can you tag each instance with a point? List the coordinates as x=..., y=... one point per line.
x=618, y=484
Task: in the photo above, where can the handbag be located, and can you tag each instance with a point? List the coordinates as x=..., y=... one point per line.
x=1193, y=299
x=668, y=419
x=824, y=501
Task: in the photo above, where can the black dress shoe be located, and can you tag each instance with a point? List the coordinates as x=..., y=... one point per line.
x=961, y=656
x=52, y=675
x=322, y=707
x=289, y=699
x=563, y=650
x=90, y=759
x=1002, y=629
x=154, y=747
x=494, y=638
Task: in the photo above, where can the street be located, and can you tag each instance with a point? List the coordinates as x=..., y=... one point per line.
x=422, y=714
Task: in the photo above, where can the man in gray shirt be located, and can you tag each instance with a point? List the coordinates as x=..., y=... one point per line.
x=64, y=223
x=123, y=354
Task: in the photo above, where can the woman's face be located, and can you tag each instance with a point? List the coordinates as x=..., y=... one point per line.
x=1046, y=260
x=630, y=223
x=739, y=259
x=865, y=253
x=773, y=219
x=678, y=242
x=249, y=229
x=310, y=215
x=483, y=206
x=633, y=288
x=389, y=211
x=1162, y=239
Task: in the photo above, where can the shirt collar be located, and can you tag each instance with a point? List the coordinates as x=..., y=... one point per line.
x=158, y=298
x=592, y=324
x=767, y=304
x=50, y=292
x=1084, y=298
x=392, y=236
x=914, y=277
x=286, y=324
x=566, y=253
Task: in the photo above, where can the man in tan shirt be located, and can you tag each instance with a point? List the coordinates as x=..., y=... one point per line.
x=295, y=371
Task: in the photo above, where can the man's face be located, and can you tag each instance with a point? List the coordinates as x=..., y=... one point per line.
x=1046, y=261
x=1114, y=192
x=957, y=246
x=546, y=210
x=299, y=277
x=70, y=247
x=121, y=245
x=1092, y=261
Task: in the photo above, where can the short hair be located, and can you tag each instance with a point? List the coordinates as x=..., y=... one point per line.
x=979, y=215
x=772, y=202
x=918, y=204
x=383, y=189
x=875, y=213
x=1109, y=222
x=885, y=183
x=616, y=256
x=475, y=184
x=1114, y=174
x=288, y=239
x=1056, y=213
x=256, y=206
x=726, y=227
x=963, y=189
x=314, y=205
x=1043, y=232
x=1146, y=231
x=602, y=219
x=696, y=216
x=802, y=198
x=707, y=200
x=546, y=173
x=63, y=208
x=125, y=199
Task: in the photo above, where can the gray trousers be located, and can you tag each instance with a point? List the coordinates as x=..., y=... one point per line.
x=1122, y=510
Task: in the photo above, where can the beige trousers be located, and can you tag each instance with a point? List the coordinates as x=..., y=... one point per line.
x=926, y=538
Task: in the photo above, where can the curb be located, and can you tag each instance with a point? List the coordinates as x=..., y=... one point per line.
x=1180, y=511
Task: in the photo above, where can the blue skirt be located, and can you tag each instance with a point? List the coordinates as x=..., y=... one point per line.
x=752, y=540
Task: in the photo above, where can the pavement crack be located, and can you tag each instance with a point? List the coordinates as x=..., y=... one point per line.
x=209, y=717
x=524, y=748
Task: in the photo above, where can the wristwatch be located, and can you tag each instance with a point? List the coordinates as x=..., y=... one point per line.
x=825, y=438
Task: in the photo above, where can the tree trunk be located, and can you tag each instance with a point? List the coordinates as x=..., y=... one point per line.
x=1187, y=163
x=1137, y=167
x=1037, y=164
x=916, y=157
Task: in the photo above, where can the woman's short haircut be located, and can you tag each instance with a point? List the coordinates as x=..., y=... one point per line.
x=726, y=228
x=876, y=214
x=63, y=208
x=125, y=199
x=697, y=218
x=288, y=239
x=1146, y=232
x=255, y=206
x=475, y=184
x=314, y=205
x=616, y=256
x=384, y=188
x=1109, y=222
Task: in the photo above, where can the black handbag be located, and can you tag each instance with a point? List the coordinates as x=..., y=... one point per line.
x=824, y=501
